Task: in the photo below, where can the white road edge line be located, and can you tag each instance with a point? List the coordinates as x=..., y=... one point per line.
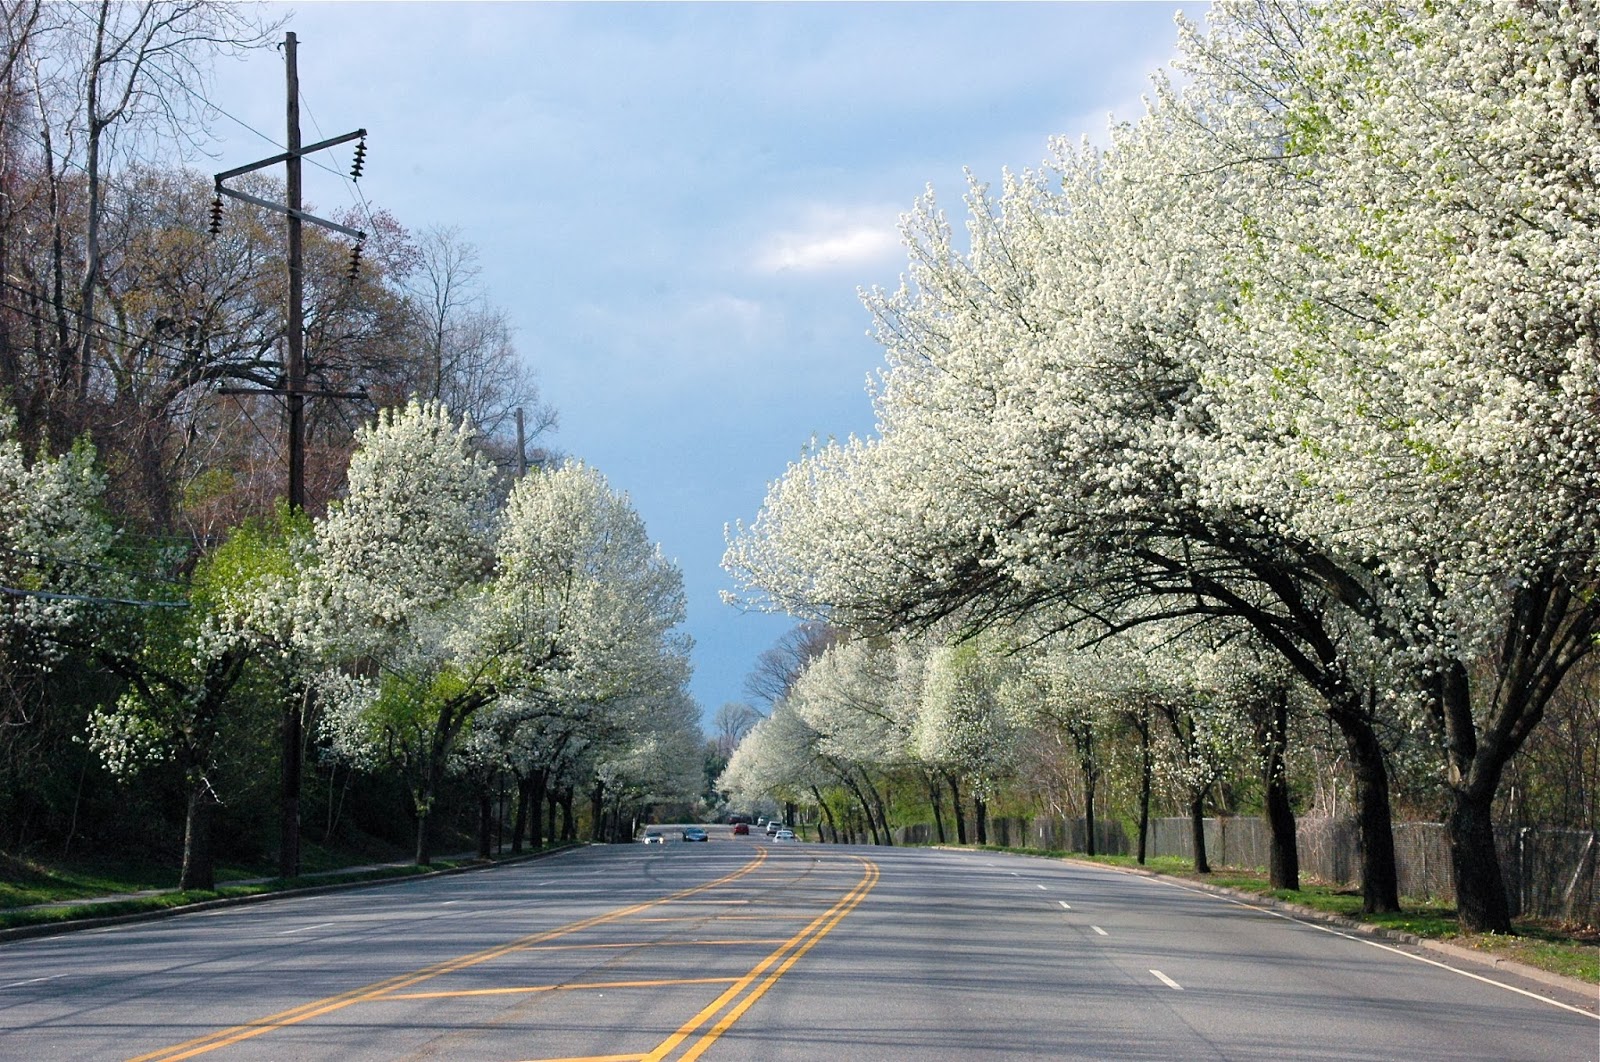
x=1387, y=947
x=302, y=929
x=1164, y=979
x=1102, y=932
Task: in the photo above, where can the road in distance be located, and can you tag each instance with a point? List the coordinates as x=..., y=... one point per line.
x=745, y=949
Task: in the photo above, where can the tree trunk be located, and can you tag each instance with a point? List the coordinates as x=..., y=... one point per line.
x=485, y=822
x=519, y=817
x=980, y=815
x=956, y=809
x=1481, y=902
x=424, y=850
x=569, y=822
x=540, y=784
x=597, y=811
x=1380, y=876
x=199, y=869
x=554, y=800
x=1197, y=833
x=938, y=809
x=1283, y=855
x=1088, y=810
x=1146, y=771
x=827, y=814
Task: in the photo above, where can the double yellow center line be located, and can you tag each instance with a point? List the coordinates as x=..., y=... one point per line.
x=381, y=989
x=743, y=993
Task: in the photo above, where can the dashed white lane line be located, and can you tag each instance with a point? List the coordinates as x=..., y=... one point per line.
x=1015, y=874
x=1065, y=904
x=1102, y=932
x=1384, y=947
x=302, y=929
x=1045, y=887
x=32, y=981
x=1164, y=979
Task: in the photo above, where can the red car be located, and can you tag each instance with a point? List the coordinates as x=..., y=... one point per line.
x=741, y=827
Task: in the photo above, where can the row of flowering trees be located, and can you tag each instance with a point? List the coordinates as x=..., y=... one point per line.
x=967, y=725
x=437, y=620
x=1309, y=349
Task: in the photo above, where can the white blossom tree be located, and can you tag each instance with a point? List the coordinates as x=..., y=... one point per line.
x=1258, y=360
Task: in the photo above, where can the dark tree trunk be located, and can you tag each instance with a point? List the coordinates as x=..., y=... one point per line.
x=199, y=869
x=938, y=809
x=1481, y=902
x=1146, y=771
x=1197, y=833
x=1380, y=876
x=485, y=822
x=827, y=814
x=538, y=785
x=956, y=810
x=597, y=812
x=519, y=817
x=569, y=822
x=980, y=816
x=1088, y=809
x=1283, y=854
x=554, y=801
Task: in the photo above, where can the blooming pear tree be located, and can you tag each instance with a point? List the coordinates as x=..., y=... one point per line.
x=1306, y=346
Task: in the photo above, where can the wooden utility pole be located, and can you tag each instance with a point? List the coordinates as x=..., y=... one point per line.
x=295, y=369
x=294, y=388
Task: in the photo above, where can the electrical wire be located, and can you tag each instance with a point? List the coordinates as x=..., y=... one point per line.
x=91, y=599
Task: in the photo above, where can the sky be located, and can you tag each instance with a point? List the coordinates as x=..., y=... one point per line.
x=677, y=205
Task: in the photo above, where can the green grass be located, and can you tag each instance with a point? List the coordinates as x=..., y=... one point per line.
x=1569, y=950
x=65, y=888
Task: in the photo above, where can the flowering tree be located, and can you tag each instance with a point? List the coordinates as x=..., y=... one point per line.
x=1257, y=360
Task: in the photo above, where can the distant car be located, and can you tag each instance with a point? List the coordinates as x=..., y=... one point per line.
x=783, y=835
x=773, y=827
x=695, y=833
x=739, y=818
x=655, y=838
x=741, y=828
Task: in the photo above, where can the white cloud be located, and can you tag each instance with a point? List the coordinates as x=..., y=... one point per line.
x=831, y=238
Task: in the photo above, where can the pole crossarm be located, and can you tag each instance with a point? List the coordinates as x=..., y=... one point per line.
x=289, y=212
x=354, y=396
x=308, y=149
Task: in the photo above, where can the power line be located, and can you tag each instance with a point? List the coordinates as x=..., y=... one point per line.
x=91, y=599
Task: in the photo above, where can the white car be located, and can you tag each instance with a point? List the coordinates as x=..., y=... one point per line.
x=783, y=835
x=655, y=838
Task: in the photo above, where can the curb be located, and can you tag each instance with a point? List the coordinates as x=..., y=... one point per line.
x=73, y=925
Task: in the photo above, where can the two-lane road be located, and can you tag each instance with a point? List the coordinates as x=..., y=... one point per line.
x=744, y=949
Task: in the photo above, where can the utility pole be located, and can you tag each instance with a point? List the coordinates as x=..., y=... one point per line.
x=294, y=383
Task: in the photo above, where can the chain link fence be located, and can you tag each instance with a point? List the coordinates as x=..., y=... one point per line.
x=1549, y=873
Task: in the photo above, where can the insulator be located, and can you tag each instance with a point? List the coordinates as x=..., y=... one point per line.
x=216, y=215
x=361, y=160
x=355, y=264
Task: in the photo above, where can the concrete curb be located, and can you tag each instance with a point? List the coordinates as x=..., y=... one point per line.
x=73, y=925
x=1349, y=925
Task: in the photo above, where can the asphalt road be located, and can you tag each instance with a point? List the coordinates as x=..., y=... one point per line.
x=745, y=949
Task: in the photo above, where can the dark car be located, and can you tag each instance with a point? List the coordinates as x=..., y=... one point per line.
x=695, y=833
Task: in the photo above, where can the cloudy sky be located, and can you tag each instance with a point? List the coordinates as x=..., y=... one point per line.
x=676, y=204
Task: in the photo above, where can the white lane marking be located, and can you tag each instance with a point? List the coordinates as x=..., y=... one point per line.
x=302, y=929
x=1102, y=932
x=32, y=981
x=1065, y=904
x=1015, y=874
x=1045, y=887
x=1389, y=948
x=1164, y=979
x=447, y=903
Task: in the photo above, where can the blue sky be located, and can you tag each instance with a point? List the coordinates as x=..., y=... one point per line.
x=676, y=204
